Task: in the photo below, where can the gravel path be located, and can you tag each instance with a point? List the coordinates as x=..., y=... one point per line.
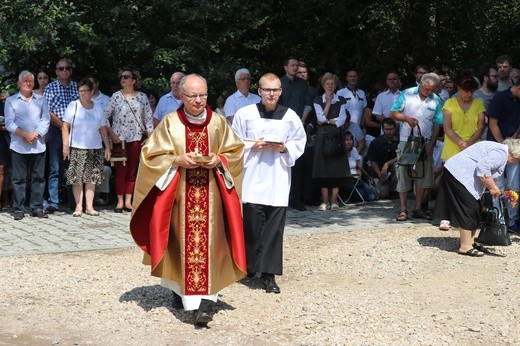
x=400, y=286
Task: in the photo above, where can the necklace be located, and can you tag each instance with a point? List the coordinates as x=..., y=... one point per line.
x=197, y=141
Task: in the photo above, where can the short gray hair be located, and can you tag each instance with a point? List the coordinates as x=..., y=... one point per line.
x=430, y=78
x=513, y=144
x=328, y=76
x=24, y=74
x=241, y=71
x=181, y=74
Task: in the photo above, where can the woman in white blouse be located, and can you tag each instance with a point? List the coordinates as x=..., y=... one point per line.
x=131, y=116
x=84, y=132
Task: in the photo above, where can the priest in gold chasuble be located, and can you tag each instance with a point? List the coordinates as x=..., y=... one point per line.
x=187, y=214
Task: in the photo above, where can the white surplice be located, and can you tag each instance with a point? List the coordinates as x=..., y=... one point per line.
x=267, y=174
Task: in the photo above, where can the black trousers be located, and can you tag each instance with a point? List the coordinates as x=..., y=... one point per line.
x=28, y=166
x=297, y=180
x=263, y=229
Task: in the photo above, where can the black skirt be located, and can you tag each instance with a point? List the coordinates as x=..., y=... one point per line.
x=327, y=167
x=456, y=204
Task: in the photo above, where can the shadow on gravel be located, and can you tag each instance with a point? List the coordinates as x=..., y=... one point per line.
x=152, y=297
x=378, y=212
x=252, y=283
x=449, y=244
x=149, y=297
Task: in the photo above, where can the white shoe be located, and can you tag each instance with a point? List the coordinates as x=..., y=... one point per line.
x=445, y=225
x=322, y=207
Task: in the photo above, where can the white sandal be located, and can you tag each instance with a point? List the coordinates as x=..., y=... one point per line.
x=334, y=206
x=445, y=225
x=322, y=207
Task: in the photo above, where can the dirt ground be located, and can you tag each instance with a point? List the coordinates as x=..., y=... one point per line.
x=369, y=287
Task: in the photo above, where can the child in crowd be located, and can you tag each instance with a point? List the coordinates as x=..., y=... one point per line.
x=355, y=165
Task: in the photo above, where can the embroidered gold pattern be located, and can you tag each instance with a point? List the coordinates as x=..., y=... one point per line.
x=197, y=214
x=197, y=142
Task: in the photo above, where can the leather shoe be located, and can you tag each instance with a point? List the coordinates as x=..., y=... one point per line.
x=203, y=315
x=118, y=210
x=298, y=205
x=39, y=214
x=18, y=215
x=51, y=209
x=177, y=301
x=420, y=214
x=270, y=283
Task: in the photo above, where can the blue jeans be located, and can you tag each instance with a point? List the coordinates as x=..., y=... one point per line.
x=54, y=150
x=25, y=166
x=364, y=189
x=510, y=180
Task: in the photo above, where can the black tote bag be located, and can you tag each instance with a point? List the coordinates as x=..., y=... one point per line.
x=494, y=228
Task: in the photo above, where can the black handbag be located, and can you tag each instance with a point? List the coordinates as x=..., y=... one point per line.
x=414, y=150
x=494, y=228
x=333, y=142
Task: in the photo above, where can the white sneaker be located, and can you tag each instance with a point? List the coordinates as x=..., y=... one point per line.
x=445, y=225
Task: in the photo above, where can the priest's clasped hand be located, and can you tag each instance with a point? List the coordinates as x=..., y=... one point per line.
x=215, y=162
x=192, y=160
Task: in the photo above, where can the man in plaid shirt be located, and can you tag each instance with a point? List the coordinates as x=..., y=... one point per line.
x=58, y=94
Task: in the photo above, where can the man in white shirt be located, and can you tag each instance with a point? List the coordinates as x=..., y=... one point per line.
x=386, y=99
x=274, y=139
x=97, y=96
x=169, y=102
x=356, y=98
x=417, y=106
x=27, y=119
x=242, y=97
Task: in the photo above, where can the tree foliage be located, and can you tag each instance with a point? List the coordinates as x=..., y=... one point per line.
x=214, y=38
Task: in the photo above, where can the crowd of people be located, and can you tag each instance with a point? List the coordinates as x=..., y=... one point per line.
x=208, y=189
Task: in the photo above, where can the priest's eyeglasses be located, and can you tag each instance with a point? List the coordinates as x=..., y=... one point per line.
x=194, y=97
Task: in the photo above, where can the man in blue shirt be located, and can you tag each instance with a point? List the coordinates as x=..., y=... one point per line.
x=169, y=102
x=504, y=121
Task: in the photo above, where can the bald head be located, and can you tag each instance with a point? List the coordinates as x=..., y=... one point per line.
x=194, y=93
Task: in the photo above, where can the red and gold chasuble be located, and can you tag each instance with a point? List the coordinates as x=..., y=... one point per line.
x=191, y=229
